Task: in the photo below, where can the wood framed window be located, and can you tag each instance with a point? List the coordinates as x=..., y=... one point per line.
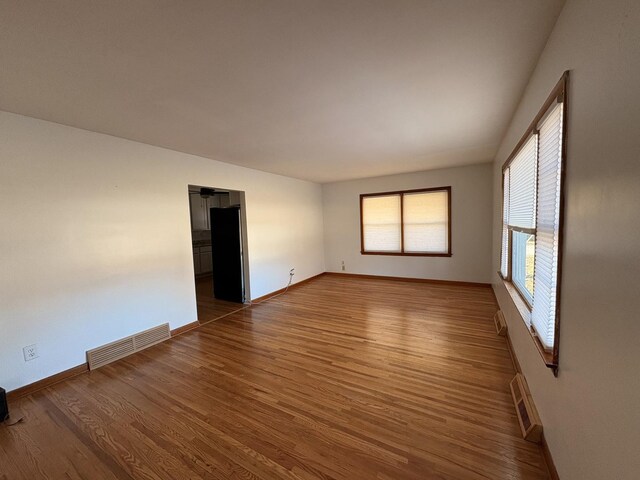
x=532, y=221
x=409, y=222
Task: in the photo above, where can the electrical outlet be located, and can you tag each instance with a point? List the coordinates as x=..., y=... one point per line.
x=343, y=267
x=30, y=352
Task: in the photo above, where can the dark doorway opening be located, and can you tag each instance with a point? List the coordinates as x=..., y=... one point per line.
x=220, y=259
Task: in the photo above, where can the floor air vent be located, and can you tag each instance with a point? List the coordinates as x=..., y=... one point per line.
x=113, y=351
x=528, y=418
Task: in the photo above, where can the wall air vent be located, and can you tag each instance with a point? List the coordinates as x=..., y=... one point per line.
x=528, y=418
x=113, y=351
x=501, y=324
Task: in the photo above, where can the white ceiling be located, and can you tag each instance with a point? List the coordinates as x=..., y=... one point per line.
x=321, y=90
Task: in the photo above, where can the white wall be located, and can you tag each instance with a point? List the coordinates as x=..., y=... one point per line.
x=590, y=412
x=471, y=214
x=96, y=240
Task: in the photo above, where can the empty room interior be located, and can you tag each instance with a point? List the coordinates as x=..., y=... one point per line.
x=337, y=240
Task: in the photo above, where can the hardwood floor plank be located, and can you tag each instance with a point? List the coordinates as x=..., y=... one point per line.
x=209, y=307
x=340, y=378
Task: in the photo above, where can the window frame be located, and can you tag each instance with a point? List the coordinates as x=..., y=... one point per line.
x=526, y=231
x=559, y=94
x=401, y=193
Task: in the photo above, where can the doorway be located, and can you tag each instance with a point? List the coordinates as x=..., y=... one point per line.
x=218, y=226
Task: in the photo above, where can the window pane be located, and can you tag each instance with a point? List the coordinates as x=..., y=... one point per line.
x=522, y=266
x=504, y=259
x=543, y=314
x=522, y=189
x=426, y=220
x=381, y=223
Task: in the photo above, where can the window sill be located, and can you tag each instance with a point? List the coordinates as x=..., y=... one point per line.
x=520, y=304
x=400, y=254
x=525, y=313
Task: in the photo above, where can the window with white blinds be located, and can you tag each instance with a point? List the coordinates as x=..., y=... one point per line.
x=381, y=223
x=548, y=227
x=522, y=188
x=425, y=218
x=504, y=261
x=531, y=222
x=412, y=222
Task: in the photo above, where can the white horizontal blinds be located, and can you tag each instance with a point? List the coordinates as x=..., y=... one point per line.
x=426, y=222
x=522, y=189
x=543, y=314
x=381, y=223
x=504, y=261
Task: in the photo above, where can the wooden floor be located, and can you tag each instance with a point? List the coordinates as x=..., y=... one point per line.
x=209, y=307
x=341, y=378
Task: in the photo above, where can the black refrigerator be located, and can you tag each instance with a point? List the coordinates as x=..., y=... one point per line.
x=226, y=254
